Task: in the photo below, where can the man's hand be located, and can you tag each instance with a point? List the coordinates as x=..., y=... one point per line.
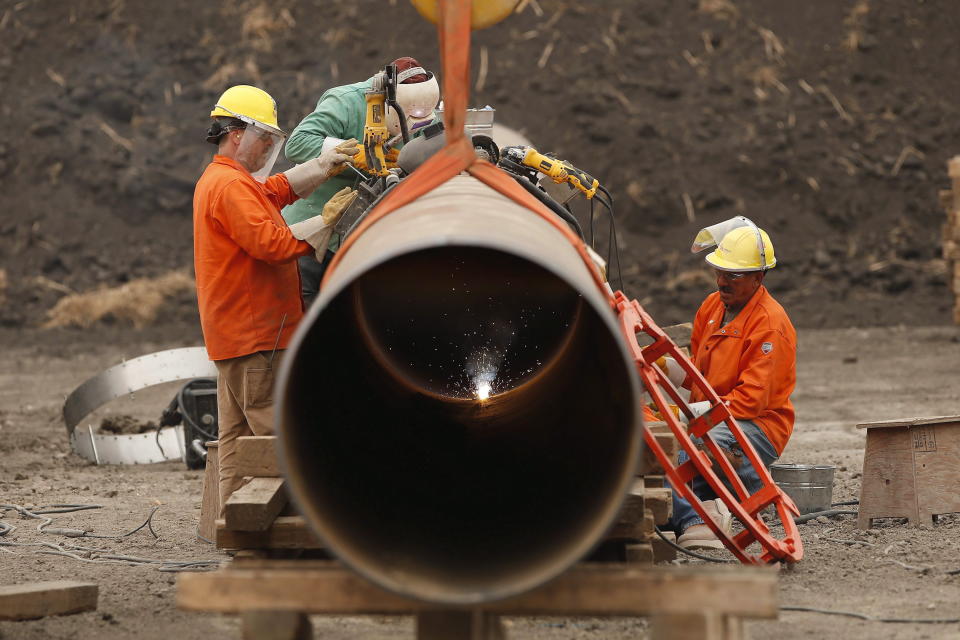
x=337, y=204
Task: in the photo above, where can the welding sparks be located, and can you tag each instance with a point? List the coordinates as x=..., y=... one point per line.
x=483, y=390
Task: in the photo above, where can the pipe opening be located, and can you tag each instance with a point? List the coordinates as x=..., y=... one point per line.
x=457, y=423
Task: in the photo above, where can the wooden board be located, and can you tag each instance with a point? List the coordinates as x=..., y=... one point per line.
x=641, y=530
x=210, y=504
x=286, y=532
x=660, y=503
x=318, y=587
x=39, y=599
x=649, y=465
x=909, y=422
x=255, y=505
x=887, y=489
x=257, y=456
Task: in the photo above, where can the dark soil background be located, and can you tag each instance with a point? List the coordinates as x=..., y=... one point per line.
x=829, y=122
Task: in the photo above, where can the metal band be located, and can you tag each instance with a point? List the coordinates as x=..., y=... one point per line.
x=122, y=379
x=409, y=73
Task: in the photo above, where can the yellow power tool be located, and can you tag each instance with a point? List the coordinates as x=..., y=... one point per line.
x=372, y=156
x=559, y=171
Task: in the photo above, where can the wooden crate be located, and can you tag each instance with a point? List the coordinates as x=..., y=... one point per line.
x=911, y=469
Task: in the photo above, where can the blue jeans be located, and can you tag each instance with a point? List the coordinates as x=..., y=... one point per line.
x=683, y=514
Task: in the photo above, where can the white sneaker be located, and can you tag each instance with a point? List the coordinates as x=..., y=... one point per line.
x=700, y=536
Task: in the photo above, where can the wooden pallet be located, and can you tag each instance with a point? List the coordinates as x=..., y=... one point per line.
x=706, y=602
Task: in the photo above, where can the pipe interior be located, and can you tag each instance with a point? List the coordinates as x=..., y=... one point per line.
x=456, y=420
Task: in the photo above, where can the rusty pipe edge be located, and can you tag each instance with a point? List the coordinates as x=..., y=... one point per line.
x=391, y=448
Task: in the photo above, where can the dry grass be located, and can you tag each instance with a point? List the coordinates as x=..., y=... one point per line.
x=262, y=21
x=136, y=302
x=719, y=9
x=855, y=26
x=3, y=286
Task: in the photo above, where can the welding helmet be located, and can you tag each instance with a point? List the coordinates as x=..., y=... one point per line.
x=262, y=137
x=418, y=94
x=740, y=246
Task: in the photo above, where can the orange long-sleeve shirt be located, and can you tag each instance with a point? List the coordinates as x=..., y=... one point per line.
x=248, y=283
x=751, y=362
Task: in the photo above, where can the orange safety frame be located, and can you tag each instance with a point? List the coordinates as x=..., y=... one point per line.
x=457, y=156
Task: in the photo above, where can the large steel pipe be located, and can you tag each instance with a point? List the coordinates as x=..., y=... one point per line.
x=459, y=419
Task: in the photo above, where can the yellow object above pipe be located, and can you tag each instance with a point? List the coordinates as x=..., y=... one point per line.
x=483, y=14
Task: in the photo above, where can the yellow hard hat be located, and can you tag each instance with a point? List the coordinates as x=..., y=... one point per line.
x=250, y=104
x=483, y=13
x=746, y=248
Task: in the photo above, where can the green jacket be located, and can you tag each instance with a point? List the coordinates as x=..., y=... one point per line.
x=340, y=113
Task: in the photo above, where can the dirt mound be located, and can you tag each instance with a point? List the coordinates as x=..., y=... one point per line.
x=828, y=122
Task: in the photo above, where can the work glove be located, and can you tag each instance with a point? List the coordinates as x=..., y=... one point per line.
x=316, y=231
x=304, y=178
x=337, y=204
x=672, y=369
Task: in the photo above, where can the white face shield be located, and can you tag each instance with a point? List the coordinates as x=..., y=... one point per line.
x=417, y=101
x=259, y=148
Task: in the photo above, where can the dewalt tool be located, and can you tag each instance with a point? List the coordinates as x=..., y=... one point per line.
x=560, y=171
x=374, y=157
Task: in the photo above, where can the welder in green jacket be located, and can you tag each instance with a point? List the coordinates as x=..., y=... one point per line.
x=340, y=114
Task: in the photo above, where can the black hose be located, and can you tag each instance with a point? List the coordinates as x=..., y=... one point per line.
x=403, y=120
x=687, y=551
x=551, y=204
x=828, y=513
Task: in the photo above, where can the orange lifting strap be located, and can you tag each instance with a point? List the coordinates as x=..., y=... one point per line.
x=458, y=155
x=745, y=507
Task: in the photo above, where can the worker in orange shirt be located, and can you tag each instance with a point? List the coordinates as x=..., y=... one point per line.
x=245, y=257
x=746, y=347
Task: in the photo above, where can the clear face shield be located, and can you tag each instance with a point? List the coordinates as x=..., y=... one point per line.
x=709, y=237
x=259, y=148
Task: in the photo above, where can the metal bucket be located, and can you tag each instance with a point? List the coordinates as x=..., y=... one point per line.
x=810, y=485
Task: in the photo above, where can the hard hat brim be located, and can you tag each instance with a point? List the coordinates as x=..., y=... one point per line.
x=725, y=265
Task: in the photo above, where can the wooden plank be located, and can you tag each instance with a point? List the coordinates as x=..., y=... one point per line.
x=210, y=504
x=660, y=504
x=640, y=530
x=286, y=532
x=908, y=422
x=654, y=482
x=257, y=456
x=888, y=486
x=459, y=625
x=633, y=506
x=255, y=505
x=639, y=553
x=936, y=465
x=316, y=587
x=705, y=625
x=662, y=551
x=53, y=598
x=276, y=625
x=649, y=465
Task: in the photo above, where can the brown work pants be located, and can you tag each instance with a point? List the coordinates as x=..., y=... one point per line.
x=245, y=406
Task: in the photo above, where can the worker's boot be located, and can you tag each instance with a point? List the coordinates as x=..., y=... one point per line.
x=700, y=536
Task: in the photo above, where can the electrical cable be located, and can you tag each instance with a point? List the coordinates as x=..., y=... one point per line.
x=613, y=248
x=687, y=551
x=845, y=504
x=6, y=528
x=74, y=533
x=550, y=203
x=863, y=616
x=200, y=537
